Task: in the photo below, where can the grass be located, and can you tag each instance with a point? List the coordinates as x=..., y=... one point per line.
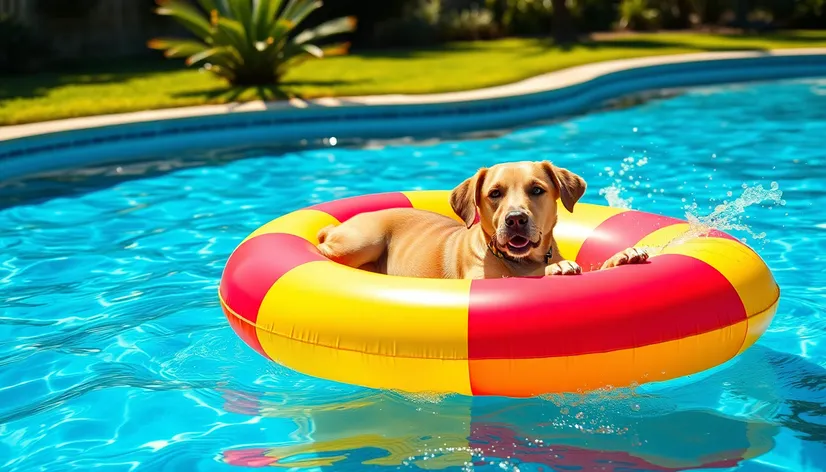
x=134, y=86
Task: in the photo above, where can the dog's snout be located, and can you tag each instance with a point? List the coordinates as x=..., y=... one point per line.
x=516, y=219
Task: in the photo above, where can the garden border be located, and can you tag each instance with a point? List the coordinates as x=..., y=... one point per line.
x=106, y=139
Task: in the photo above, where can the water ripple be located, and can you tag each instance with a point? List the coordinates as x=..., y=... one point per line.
x=115, y=353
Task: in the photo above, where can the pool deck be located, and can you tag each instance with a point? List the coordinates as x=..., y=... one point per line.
x=96, y=139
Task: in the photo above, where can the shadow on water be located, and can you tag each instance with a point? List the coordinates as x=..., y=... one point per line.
x=676, y=428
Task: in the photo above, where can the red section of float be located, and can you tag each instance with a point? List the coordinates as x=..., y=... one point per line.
x=257, y=264
x=346, y=208
x=670, y=297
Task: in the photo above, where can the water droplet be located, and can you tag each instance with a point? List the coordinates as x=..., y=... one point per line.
x=635, y=129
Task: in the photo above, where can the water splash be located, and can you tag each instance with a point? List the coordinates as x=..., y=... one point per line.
x=613, y=193
x=729, y=215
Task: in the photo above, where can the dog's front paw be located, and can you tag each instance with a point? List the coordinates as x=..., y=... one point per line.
x=563, y=268
x=632, y=255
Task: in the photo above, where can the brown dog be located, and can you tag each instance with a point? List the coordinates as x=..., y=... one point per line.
x=517, y=206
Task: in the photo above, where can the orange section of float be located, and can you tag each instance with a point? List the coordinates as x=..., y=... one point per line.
x=586, y=372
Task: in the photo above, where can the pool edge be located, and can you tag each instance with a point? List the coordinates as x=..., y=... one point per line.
x=121, y=138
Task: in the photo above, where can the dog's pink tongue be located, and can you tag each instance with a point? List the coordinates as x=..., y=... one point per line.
x=518, y=242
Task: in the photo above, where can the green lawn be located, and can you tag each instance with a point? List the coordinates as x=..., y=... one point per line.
x=140, y=86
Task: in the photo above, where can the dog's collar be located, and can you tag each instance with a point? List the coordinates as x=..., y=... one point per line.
x=501, y=255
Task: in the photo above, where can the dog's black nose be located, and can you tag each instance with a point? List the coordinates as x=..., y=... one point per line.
x=516, y=219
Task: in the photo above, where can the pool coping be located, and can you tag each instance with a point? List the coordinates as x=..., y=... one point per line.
x=105, y=139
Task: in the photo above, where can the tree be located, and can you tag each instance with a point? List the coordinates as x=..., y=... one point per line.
x=563, y=25
x=684, y=9
x=741, y=12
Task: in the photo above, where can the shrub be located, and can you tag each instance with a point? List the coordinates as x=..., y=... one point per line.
x=808, y=14
x=525, y=17
x=418, y=25
x=468, y=25
x=676, y=14
x=424, y=23
x=709, y=11
x=250, y=42
x=638, y=15
x=20, y=48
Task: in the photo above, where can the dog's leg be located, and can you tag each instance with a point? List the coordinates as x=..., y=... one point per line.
x=632, y=255
x=563, y=268
x=358, y=245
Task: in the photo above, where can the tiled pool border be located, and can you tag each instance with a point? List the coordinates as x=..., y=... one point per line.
x=49, y=146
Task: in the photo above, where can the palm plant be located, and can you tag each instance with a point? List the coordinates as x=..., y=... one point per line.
x=249, y=42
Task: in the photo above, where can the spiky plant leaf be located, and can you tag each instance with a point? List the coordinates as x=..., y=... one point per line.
x=186, y=15
x=297, y=10
x=220, y=56
x=242, y=12
x=339, y=25
x=220, y=71
x=177, y=48
x=229, y=32
x=212, y=5
x=263, y=14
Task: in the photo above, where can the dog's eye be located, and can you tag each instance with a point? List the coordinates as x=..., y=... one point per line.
x=537, y=191
x=495, y=194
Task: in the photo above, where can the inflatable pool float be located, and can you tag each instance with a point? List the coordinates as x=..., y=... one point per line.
x=697, y=303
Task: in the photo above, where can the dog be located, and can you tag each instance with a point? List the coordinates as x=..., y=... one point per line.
x=517, y=208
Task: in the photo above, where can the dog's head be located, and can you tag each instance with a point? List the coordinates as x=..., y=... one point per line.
x=517, y=204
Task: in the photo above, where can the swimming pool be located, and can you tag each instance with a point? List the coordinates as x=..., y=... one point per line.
x=115, y=353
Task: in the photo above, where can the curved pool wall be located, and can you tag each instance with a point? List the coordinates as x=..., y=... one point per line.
x=26, y=149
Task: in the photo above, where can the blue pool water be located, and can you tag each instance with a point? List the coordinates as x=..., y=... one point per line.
x=114, y=353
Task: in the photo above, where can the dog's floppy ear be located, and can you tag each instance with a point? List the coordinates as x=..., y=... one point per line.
x=571, y=186
x=465, y=197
